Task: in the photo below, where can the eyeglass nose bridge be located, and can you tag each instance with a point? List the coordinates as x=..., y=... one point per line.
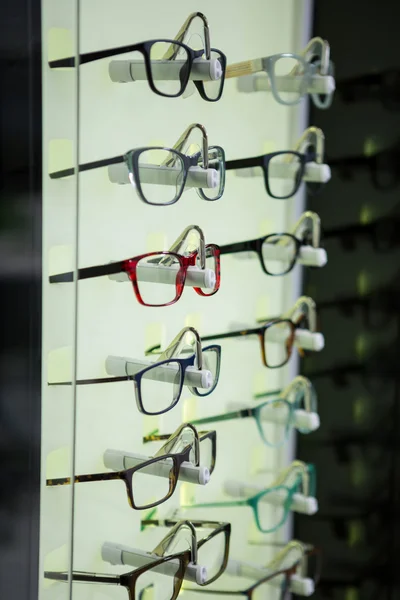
x=306, y=307
x=174, y=438
x=178, y=244
x=180, y=36
x=312, y=136
x=178, y=343
x=308, y=221
x=179, y=144
x=162, y=548
x=303, y=383
x=320, y=49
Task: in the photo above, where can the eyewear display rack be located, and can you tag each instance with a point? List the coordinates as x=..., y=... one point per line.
x=87, y=220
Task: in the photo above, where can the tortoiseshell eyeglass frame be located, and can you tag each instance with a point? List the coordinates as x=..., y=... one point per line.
x=126, y=475
x=128, y=580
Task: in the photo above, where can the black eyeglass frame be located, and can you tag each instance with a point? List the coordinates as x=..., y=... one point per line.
x=145, y=48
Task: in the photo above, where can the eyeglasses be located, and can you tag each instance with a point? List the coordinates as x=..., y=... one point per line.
x=278, y=252
x=166, y=574
x=160, y=175
x=153, y=54
x=212, y=549
x=148, y=282
x=306, y=558
x=154, y=393
x=276, y=418
x=166, y=464
x=272, y=505
x=260, y=589
x=313, y=60
x=206, y=441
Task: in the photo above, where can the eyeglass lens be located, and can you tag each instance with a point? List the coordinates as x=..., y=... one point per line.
x=278, y=344
x=145, y=493
x=273, y=420
x=271, y=509
x=290, y=165
x=151, y=280
x=160, y=183
x=291, y=90
x=160, y=387
x=155, y=580
x=211, y=554
x=278, y=253
x=210, y=363
x=178, y=68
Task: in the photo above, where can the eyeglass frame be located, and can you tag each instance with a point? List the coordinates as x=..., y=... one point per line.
x=126, y=475
x=304, y=480
x=145, y=48
x=127, y=580
x=217, y=526
x=131, y=159
x=183, y=363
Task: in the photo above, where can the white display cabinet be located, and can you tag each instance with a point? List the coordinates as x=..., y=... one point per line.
x=88, y=221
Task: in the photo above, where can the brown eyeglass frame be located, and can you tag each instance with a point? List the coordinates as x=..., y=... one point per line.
x=218, y=528
x=128, y=580
x=126, y=476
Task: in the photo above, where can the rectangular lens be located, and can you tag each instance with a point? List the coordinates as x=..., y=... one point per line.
x=161, y=175
x=206, y=455
x=151, y=484
x=278, y=253
x=169, y=68
x=289, y=79
x=213, y=88
x=274, y=420
x=211, y=555
x=159, y=582
x=278, y=343
x=216, y=161
x=210, y=363
x=159, y=277
x=271, y=509
x=212, y=263
x=160, y=387
x=284, y=175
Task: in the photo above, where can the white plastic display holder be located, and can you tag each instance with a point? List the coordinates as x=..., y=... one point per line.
x=122, y=365
x=125, y=71
x=313, y=171
x=118, y=460
x=197, y=177
x=306, y=505
x=118, y=554
x=259, y=82
x=303, y=586
x=195, y=277
x=302, y=418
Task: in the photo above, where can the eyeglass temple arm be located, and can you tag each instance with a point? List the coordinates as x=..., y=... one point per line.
x=180, y=143
x=247, y=246
x=308, y=221
x=178, y=343
x=88, y=272
x=92, y=56
x=179, y=242
x=171, y=53
x=97, y=164
x=245, y=163
x=83, y=478
x=231, y=334
x=318, y=47
x=246, y=67
x=311, y=312
x=217, y=504
x=83, y=577
x=169, y=522
x=238, y=414
x=312, y=136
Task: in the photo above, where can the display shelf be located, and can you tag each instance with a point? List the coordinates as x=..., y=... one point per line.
x=110, y=223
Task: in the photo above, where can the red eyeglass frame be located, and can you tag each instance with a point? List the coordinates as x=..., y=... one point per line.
x=130, y=266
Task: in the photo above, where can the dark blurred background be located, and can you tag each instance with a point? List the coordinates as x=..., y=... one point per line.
x=356, y=450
